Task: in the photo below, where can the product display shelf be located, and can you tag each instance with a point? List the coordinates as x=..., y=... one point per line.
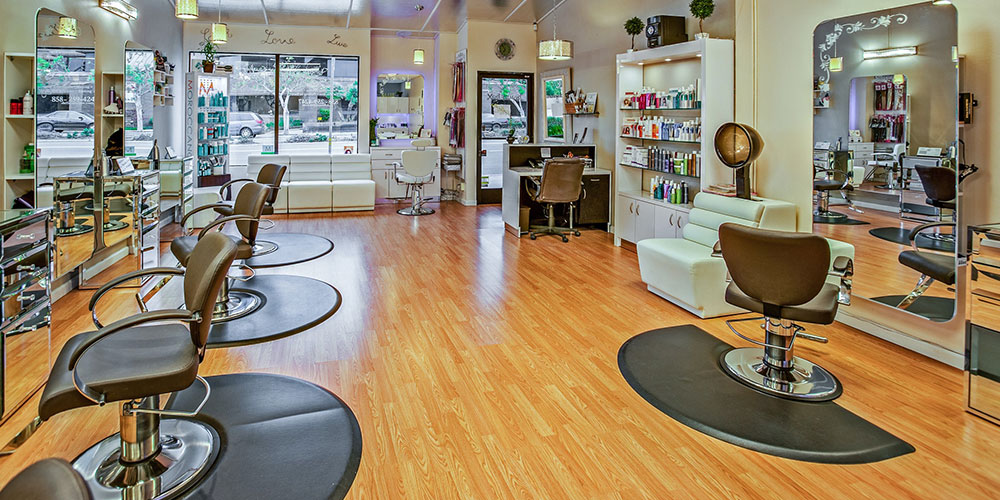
x=206, y=101
x=706, y=66
x=110, y=122
x=18, y=129
x=163, y=82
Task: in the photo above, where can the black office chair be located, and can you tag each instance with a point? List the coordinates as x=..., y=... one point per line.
x=932, y=265
x=562, y=182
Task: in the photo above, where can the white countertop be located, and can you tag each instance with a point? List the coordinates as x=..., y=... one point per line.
x=533, y=172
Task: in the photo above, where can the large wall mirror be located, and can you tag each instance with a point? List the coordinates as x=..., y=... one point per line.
x=139, y=90
x=886, y=146
x=400, y=106
x=65, y=91
x=555, y=84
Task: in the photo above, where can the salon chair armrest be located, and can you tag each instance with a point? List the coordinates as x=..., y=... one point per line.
x=923, y=227
x=210, y=206
x=533, y=190
x=107, y=287
x=228, y=185
x=222, y=221
x=843, y=268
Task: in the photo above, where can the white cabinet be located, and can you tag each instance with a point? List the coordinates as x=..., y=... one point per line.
x=383, y=173
x=645, y=220
x=640, y=219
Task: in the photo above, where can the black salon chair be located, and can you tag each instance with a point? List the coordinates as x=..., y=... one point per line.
x=269, y=175
x=562, y=183
x=782, y=275
x=247, y=210
x=49, y=479
x=823, y=187
x=133, y=361
x=941, y=187
x=932, y=265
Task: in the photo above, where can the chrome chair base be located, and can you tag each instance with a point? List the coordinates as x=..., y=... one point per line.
x=828, y=216
x=187, y=449
x=264, y=247
x=237, y=305
x=415, y=211
x=803, y=381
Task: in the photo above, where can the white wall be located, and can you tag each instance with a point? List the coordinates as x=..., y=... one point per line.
x=484, y=35
x=774, y=83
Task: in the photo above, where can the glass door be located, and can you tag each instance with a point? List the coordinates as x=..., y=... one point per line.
x=505, y=111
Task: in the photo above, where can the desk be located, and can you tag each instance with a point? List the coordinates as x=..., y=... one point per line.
x=514, y=197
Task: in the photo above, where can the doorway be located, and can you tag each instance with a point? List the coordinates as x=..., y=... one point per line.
x=506, y=106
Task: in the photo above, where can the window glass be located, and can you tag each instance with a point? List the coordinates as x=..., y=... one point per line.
x=65, y=102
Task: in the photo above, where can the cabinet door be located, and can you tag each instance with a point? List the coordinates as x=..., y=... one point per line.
x=594, y=204
x=381, y=178
x=665, y=225
x=625, y=228
x=433, y=189
x=645, y=220
x=396, y=189
x=681, y=220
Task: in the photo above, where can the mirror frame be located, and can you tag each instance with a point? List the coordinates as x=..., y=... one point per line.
x=566, y=75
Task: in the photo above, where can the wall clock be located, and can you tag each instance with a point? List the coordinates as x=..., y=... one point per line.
x=504, y=49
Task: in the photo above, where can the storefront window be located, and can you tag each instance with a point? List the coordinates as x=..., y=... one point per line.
x=65, y=102
x=311, y=104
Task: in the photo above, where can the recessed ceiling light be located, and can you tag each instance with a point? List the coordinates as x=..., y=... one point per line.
x=942, y=2
x=668, y=59
x=418, y=7
x=640, y=64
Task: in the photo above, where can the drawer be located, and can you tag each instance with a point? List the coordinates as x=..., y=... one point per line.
x=386, y=154
x=383, y=164
x=26, y=355
x=860, y=147
x=25, y=264
x=24, y=294
x=24, y=238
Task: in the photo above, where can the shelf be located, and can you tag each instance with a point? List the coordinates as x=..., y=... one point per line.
x=21, y=177
x=113, y=73
x=659, y=171
x=582, y=114
x=110, y=115
x=660, y=109
x=648, y=198
x=20, y=55
x=659, y=140
x=20, y=117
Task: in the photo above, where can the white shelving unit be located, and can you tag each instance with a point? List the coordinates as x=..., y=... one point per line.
x=163, y=82
x=18, y=130
x=706, y=63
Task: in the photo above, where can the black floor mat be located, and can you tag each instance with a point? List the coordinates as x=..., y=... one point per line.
x=902, y=237
x=281, y=437
x=844, y=222
x=292, y=304
x=938, y=309
x=677, y=371
x=293, y=248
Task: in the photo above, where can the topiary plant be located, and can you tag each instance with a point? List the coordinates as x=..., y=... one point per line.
x=634, y=27
x=702, y=9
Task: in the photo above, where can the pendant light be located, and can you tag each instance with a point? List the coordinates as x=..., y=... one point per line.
x=418, y=56
x=555, y=49
x=66, y=28
x=220, y=32
x=187, y=9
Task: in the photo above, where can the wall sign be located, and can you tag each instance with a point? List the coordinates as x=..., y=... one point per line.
x=338, y=41
x=270, y=39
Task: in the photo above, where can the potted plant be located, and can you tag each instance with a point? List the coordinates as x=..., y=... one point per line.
x=702, y=9
x=511, y=131
x=373, y=131
x=208, y=64
x=634, y=27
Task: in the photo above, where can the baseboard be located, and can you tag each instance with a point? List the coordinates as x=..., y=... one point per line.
x=901, y=339
x=354, y=209
x=63, y=285
x=674, y=300
x=468, y=203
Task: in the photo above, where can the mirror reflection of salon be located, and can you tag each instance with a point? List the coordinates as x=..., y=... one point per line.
x=885, y=94
x=400, y=106
x=140, y=87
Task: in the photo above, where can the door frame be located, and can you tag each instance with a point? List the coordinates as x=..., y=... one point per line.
x=494, y=196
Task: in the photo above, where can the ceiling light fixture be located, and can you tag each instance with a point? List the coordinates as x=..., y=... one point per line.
x=418, y=56
x=668, y=59
x=66, y=28
x=893, y=52
x=120, y=8
x=220, y=32
x=555, y=49
x=187, y=9
x=942, y=2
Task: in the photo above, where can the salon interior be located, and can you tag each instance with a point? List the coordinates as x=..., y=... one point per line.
x=470, y=249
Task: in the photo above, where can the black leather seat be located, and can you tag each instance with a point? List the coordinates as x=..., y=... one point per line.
x=827, y=185
x=269, y=175
x=49, y=479
x=820, y=310
x=940, y=184
x=182, y=247
x=246, y=212
x=937, y=266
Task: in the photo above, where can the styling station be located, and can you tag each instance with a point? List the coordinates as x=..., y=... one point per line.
x=477, y=249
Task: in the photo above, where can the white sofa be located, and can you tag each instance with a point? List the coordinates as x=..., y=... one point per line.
x=683, y=270
x=50, y=168
x=321, y=183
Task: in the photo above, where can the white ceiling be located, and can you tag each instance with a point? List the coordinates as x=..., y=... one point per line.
x=395, y=15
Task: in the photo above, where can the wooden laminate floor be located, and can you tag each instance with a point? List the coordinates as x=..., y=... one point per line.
x=481, y=366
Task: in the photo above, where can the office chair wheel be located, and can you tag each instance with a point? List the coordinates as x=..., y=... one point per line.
x=532, y=236
x=576, y=233
x=565, y=239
